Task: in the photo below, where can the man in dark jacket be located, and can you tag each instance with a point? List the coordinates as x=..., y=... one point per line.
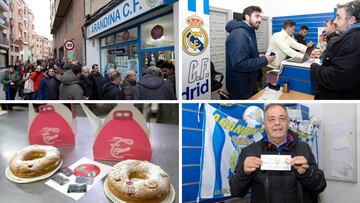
x=44, y=84
x=300, y=37
x=111, y=89
x=301, y=184
x=109, y=70
x=128, y=85
x=87, y=83
x=168, y=70
x=10, y=80
x=152, y=86
x=338, y=76
x=70, y=88
x=331, y=33
x=97, y=78
x=55, y=85
x=243, y=64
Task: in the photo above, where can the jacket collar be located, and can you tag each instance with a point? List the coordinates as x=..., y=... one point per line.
x=353, y=27
x=290, y=141
x=247, y=23
x=328, y=37
x=283, y=32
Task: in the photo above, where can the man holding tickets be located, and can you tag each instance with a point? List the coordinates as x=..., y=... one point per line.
x=243, y=63
x=290, y=175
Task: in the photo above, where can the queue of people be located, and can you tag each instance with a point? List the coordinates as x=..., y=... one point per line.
x=72, y=81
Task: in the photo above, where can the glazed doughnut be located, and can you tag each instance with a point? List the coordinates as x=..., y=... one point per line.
x=138, y=181
x=34, y=161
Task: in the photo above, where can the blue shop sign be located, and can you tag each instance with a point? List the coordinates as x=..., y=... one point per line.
x=125, y=11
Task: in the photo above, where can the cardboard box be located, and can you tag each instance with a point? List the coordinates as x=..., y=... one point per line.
x=123, y=134
x=53, y=125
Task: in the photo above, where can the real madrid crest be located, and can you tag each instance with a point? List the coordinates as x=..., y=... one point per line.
x=151, y=3
x=195, y=39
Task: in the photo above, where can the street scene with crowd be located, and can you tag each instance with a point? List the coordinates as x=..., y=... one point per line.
x=56, y=80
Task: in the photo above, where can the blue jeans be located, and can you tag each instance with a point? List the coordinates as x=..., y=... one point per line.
x=29, y=96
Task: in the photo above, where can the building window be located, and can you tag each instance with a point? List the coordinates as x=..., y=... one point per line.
x=127, y=35
x=158, y=33
x=110, y=40
x=122, y=58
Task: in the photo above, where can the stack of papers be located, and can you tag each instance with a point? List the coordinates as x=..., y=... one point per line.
x=270, y=94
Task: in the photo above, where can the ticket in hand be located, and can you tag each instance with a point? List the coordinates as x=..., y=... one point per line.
x=275, y=162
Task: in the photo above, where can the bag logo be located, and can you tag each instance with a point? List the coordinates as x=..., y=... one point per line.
x=49, y=135
x=117, y=149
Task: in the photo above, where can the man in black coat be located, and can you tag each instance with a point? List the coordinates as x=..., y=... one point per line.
x=54, y=87
x=111, y=89
x=301, y=184
x=106, y=78
x=300, y=37
x=87, y=83
x=339, y=75
x=331, y=33
x=243, y=64
x=152, y=86
x=97, y=78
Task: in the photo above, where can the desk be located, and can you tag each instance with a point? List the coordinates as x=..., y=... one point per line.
x=14, y=136
x=298, y=76
x=291, y=95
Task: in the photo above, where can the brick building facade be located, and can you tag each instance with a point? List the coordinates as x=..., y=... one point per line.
x=67, y=19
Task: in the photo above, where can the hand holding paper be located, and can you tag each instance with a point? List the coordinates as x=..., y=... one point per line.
x=251, y=163
x=300, y=164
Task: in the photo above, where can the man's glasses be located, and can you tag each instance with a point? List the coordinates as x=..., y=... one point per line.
x=272, y=120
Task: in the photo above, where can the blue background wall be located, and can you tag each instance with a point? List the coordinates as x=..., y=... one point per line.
x=313, y=21
x=192, y=143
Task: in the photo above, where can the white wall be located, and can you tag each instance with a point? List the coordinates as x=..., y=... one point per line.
x=274, y=8
x=337, y=191
x=297, y=7
x=238, y=6
x=343, y=191
x=93, y=52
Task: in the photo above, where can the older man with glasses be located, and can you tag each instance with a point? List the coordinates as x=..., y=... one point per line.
x=338, y=76
x=301, y=182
